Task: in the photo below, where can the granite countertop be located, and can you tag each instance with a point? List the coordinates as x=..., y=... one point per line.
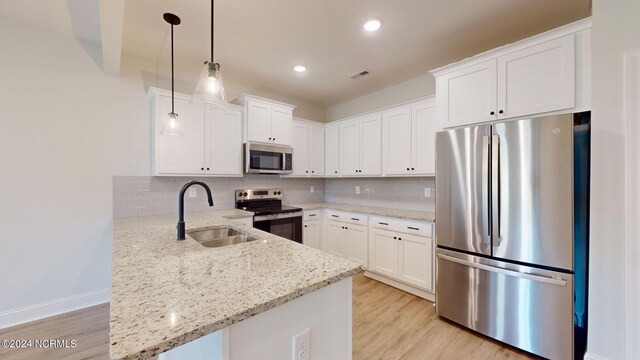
x=166, y=293
x=428, y=216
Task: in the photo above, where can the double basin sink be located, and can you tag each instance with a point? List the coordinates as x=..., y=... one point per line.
x=219, y=236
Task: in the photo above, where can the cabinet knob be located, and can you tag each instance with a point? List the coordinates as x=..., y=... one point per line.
x=500, y=112
x=336, y=171
x=412, y=168
x=305, y=226
x=274, y=139
x=492, y=113
x=207, y=168
x=407, y=169
x=395, y=237
x=313, y=172
x=399, y=238
x=307, y=171
x=269, y=139
x=201, y=168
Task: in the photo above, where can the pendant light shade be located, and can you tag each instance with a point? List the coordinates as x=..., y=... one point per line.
x=210, y=89
x=171, y=125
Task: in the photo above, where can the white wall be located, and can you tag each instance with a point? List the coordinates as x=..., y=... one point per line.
x=615, y=30
x=66, y=128
x=415, y=88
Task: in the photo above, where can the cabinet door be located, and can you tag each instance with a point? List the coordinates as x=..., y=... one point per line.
x=396, y=142
x=180, y=155
x=223, y=142
x=311, y=234
x=371, y=146
x=316, y=150
x=336, y=238
x=383, y=252
x=258, y=121
x=350, y=148
x=468, y=95
x=424, y=127
x=537, y=79
x=416, y=261
x=281, y=121
x=332, y=151
x=356, y=244
x=300, y=145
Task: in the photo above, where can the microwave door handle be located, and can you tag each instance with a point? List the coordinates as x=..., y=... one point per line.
x=485, y=190
x=495, y=188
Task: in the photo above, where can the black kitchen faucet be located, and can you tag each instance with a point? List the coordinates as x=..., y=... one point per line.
x=181, y=228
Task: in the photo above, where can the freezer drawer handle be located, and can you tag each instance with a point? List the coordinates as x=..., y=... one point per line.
x=543, y=279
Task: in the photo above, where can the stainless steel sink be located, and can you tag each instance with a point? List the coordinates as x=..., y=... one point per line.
x=219, y=236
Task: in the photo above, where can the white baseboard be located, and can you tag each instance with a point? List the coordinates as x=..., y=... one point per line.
x=588, y=356
x=400, y=285
x=51, y=308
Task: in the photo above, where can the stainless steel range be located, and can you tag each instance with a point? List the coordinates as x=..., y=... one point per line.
x=269, y=214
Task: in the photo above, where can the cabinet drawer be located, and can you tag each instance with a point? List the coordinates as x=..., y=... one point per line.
x=347, y=217
x=403, y=226
x=311, y=215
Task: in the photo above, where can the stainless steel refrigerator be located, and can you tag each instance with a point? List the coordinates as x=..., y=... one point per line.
x=512, y=215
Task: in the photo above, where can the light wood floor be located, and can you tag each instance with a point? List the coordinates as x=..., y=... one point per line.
x=387, y=324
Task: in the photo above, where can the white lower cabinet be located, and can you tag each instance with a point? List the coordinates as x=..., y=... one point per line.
x=402, y=251
x=346, y=236
x=311, y=233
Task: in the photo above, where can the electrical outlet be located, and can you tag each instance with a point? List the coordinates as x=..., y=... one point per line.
x=357, y=189
x=193, y=192
x=301, y=345
x=312, y=189
x=427, y=192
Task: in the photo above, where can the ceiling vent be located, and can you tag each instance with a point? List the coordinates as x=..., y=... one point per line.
x=360, y=74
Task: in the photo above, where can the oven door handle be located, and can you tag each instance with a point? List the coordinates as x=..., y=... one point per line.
x=277, y=216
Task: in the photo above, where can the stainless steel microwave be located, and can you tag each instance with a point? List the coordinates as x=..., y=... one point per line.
x=267, y=159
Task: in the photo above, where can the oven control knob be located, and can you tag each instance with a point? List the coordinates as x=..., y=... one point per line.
x=275, y=193
x=279, y=193
x=239, y=194
x=245, y=194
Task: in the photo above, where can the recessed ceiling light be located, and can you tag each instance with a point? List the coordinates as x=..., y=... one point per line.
x=372, y=25
x=300, y=68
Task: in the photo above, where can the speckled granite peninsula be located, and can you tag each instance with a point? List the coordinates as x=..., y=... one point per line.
x=166, y=293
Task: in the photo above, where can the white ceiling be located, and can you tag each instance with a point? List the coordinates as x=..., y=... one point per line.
x=258, y=42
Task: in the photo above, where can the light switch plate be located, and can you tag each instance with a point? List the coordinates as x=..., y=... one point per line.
x=312, y=189
x=427, y=192
x=301, y=345
x=193, y=192
x=357, y=189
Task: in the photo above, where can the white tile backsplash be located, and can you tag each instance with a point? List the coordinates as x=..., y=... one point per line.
x=147, y=195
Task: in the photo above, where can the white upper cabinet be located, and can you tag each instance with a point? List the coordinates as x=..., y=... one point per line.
x=308, y=149
x=300, y=144
x=223, y=142
x=175, y=155
x=468, y=95
x=424, y=126
x=408, y=140
x=537, y=79
x=267, y=121
x=316, y=150
x=212, y=142
x=539, y=75
x=332, y=150
x=396, y=142
x=360, y=146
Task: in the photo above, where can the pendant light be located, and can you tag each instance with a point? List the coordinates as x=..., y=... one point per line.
x=210, y=89
x=171, y=126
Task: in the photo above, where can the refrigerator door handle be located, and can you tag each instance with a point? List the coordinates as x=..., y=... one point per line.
x=495, y=189
x=485, y=189
x=538, y=278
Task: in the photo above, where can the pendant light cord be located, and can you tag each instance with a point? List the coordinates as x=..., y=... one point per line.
x=212, y=14
x=172, y=85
